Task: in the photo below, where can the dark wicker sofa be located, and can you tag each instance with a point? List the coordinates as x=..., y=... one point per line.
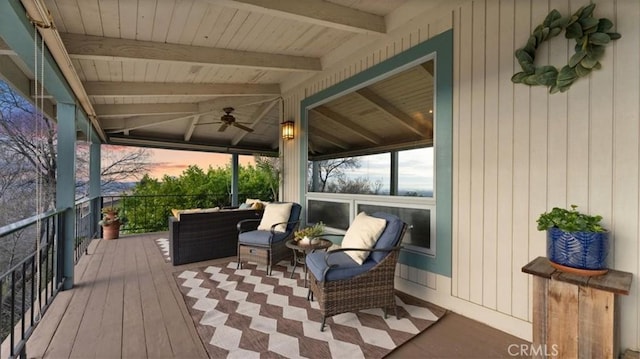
x=202, y=236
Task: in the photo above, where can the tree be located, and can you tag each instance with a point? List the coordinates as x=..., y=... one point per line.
x=152, y=200
x=28, y=165
x=271, y=166
x=334, y=168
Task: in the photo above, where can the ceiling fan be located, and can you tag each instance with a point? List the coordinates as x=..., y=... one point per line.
x=227, y=120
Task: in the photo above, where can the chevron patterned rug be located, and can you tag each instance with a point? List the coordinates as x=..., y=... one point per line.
x=245, y=314
x=163, y=246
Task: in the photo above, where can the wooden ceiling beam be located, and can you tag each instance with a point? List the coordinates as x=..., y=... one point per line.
x=191, y=128
x=347, y=124
x=327, y=137
x=396, y=114
x=148, y=89
x=150, y=109
x=322, y=13
x=112, y=49
x=119, y=124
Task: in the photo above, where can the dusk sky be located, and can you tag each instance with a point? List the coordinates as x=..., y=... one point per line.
x=173, y=163
x=416, y=166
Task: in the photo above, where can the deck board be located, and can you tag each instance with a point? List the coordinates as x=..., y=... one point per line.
x=64, y=337
x=133, y=342
x=156, y=336
x=126, y=303
x=90, y=329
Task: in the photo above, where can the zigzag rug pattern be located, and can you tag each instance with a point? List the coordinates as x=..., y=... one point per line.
x=244, y=313
x=163, y=246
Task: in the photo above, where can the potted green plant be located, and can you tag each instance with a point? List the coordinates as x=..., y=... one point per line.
x=307, y=235
x=576, y=242
x=110, y=223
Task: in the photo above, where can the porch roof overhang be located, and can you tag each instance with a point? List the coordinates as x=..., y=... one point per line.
x=159, y=74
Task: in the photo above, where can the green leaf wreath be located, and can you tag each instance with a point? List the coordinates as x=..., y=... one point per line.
x=591, y=35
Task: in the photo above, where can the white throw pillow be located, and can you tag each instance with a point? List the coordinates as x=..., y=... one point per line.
x=275, y=213
x=363, y=233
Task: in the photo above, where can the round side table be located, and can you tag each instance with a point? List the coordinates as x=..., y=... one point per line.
x=301, y=250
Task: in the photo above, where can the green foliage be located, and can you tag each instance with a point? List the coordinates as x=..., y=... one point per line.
x=569, y=220
x=591, y=36
x=310, y=232
x=152, y=200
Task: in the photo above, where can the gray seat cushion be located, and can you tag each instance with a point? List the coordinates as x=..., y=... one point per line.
x=260, y=237
x=346, y=266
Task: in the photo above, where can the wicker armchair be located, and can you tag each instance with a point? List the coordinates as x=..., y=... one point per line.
x=266, y=246
x=342, y=285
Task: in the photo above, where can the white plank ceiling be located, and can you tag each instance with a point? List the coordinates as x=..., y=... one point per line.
x=154, y=69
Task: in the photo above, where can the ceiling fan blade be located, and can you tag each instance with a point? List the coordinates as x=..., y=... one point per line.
x=248, y=129
x=223, y=127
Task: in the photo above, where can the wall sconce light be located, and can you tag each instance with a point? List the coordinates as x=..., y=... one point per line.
x=287, y=130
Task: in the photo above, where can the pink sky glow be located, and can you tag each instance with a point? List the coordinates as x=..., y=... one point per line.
x=173, y=163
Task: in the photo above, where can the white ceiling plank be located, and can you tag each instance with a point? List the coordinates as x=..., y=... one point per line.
x=102, y=69
x=162, y=19
x=207, y=23
x=258, y=116
x=115, y=71
x=179, y=21
x=146, y=15
x=109, y=14
x=70, y=14
x=90, y=15
x=316, y=12
x=104, y=111
x=224, y=24
x=118, y=89
x=254, y=20
x=101, y=48
x=128, y=72
x=194, y=19
x=347, y=124
x=139, y=70
x=128, y=15
x=394, y=113
x=238, y=20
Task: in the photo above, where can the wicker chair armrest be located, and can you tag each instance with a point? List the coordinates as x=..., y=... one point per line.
x=241, y=225
x=273, y=227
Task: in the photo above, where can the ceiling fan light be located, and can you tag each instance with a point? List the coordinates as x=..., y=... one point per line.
x=287, y=130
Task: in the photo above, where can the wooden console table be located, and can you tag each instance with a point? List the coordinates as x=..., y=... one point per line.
x=574, y=316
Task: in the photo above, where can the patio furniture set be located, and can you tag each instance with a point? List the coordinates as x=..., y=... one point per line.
x=358, y=275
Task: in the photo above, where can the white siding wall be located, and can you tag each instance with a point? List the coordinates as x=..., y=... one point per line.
x=519, y=151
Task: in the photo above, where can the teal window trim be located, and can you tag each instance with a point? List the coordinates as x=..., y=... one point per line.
x=439, y=48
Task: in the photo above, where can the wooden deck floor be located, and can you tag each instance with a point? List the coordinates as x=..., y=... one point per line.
x=125, y=303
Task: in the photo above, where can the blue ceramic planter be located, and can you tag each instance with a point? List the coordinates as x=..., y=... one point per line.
x=582, y=250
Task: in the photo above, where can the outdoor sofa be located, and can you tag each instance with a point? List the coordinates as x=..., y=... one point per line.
x=206, y=234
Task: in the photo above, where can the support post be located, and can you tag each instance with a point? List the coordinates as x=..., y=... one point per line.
x=393, y=186
x=65, y=189
x=94, y=186
x=234, y=179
